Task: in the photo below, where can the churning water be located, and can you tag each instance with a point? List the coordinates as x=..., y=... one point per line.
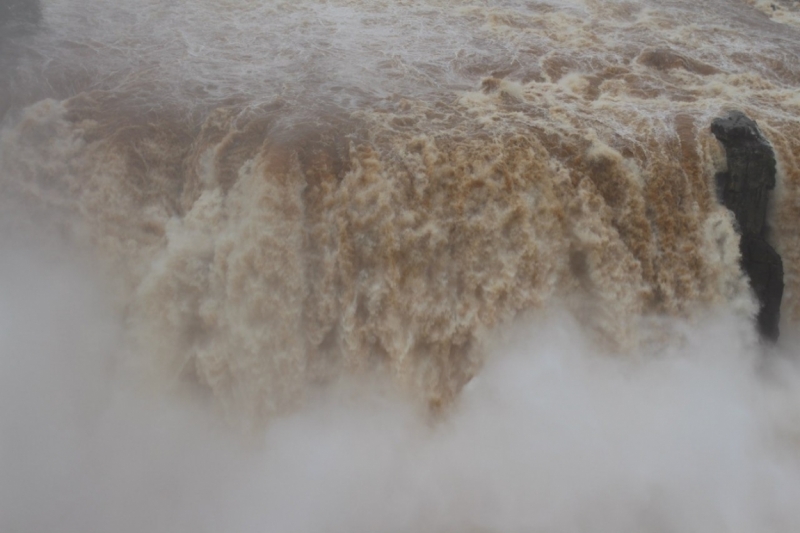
x=424, y=266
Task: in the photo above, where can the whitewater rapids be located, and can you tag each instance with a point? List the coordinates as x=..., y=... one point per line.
x=443, y=266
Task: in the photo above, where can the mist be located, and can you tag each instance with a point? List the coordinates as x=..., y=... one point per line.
x=246, y=246
x=16, y=16
x=700, y=435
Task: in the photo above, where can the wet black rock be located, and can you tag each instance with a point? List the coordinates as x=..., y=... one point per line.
x=765, y=269
x=744, y=189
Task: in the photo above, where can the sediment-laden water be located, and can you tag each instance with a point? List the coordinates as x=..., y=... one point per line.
x=498, y=217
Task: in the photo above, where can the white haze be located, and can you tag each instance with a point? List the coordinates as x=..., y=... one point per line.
x=550, y=437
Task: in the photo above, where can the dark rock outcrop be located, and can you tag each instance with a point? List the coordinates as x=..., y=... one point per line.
x=744, y=189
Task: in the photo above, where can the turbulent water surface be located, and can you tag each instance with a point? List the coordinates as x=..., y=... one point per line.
x=452, y=266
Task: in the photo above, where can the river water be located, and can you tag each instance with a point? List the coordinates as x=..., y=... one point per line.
x=391, y=266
